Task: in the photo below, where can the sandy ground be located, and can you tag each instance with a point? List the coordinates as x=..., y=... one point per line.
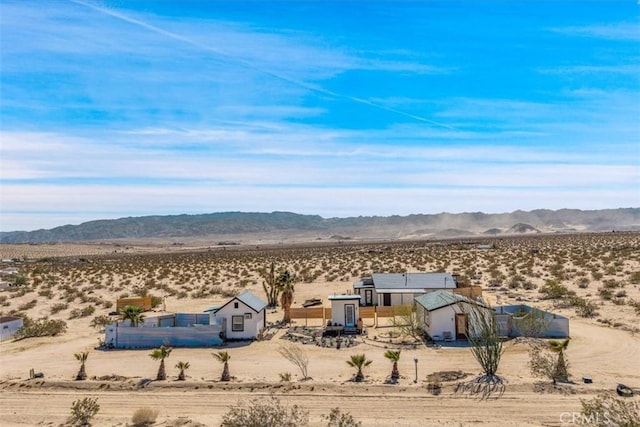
x=608, y=355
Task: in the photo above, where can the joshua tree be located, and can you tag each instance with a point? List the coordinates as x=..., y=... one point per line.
x=161, y=354
x=183, y=366
x=359, y=361
x=224, y=357
x=286, y=283
x=133, y=313
x=393, y=356
x=82, y=358
x=560, y=370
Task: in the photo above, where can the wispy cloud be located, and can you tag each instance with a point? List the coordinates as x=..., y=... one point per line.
x=627, y=31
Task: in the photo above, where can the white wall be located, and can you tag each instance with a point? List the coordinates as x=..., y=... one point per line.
x=337, y=311
x=252, y=326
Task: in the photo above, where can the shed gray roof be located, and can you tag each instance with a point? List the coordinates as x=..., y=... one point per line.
x=343, y=297
x=252, y=301
x=438, y=299
x=410, y=281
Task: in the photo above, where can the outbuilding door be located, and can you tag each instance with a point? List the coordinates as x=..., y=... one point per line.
x=462, y=323
x=350, y=315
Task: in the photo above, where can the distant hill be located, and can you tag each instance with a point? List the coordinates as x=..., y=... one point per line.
x=282, y=225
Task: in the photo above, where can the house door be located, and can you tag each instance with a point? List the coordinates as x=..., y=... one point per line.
x=462, y=323
x=386, y=300
x=368, y=297
x=350, y=315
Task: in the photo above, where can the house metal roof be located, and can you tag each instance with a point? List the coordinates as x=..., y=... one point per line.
x=415, y=281
x=440, y=298
x=252, y=301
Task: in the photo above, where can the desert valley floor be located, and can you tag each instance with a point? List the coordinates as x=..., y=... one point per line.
x=63, y=280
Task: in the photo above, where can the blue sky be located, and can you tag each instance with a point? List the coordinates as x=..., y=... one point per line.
x=337, y=108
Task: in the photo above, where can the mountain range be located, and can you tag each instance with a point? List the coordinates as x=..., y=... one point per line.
x=284, y=225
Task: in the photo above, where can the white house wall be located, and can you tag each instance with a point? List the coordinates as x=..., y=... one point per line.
x=252, y=326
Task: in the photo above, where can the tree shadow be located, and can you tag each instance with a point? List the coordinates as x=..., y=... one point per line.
x=483, y=387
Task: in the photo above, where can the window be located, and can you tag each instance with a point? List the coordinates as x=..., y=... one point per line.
x=237, y=323
x=247, y=315
x=235, y=305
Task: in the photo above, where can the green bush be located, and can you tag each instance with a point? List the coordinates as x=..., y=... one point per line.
x=40, y=328
x=265, y=413
x=83, y=411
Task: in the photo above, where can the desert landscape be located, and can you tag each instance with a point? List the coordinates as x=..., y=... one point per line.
x=592, y=278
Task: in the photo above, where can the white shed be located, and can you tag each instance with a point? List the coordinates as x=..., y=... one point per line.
x=9, y=325
x=344, y=310
x=245, y=316
x=448, y=316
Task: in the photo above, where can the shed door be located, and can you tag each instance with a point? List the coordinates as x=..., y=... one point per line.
x=368, y=297
x=349, y=315
x=461, y=326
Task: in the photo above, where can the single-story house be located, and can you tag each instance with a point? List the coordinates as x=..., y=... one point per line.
x=389, y=289
x=9, y=325
x=523, y=320
x=448, y=316
x=242, y=317
x=245, y=316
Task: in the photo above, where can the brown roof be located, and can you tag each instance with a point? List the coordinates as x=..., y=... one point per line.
x=7, y=319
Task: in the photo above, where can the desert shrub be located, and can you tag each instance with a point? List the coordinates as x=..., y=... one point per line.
x=265, y=413
x=635, y=304
x=83, y=411
x=584, y=307
x=84, y=312
x=297, y=356
x=554, y=290
x=608, y=410
x=285, y=377
x=144, y=416
x=605, y=293
x=55, y=308
x=155, y=301
x=100, y=322
x=337, y=419
x=28, y=305
x=40, y=328
x=48, y=293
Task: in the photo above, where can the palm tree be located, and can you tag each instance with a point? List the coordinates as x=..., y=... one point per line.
x=286, y=283
x=132, y=313
x=359, y=361
x=82, y=358
x=393, y=356
x=183, y=366
x=560, y=372
x=161, y=354
x=224, y=357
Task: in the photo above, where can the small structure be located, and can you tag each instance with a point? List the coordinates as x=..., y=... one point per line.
x=448, y=316
x=345, y=316
x=245, y=316
x=9, y=325
x=390, y=289
x=525, y=321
